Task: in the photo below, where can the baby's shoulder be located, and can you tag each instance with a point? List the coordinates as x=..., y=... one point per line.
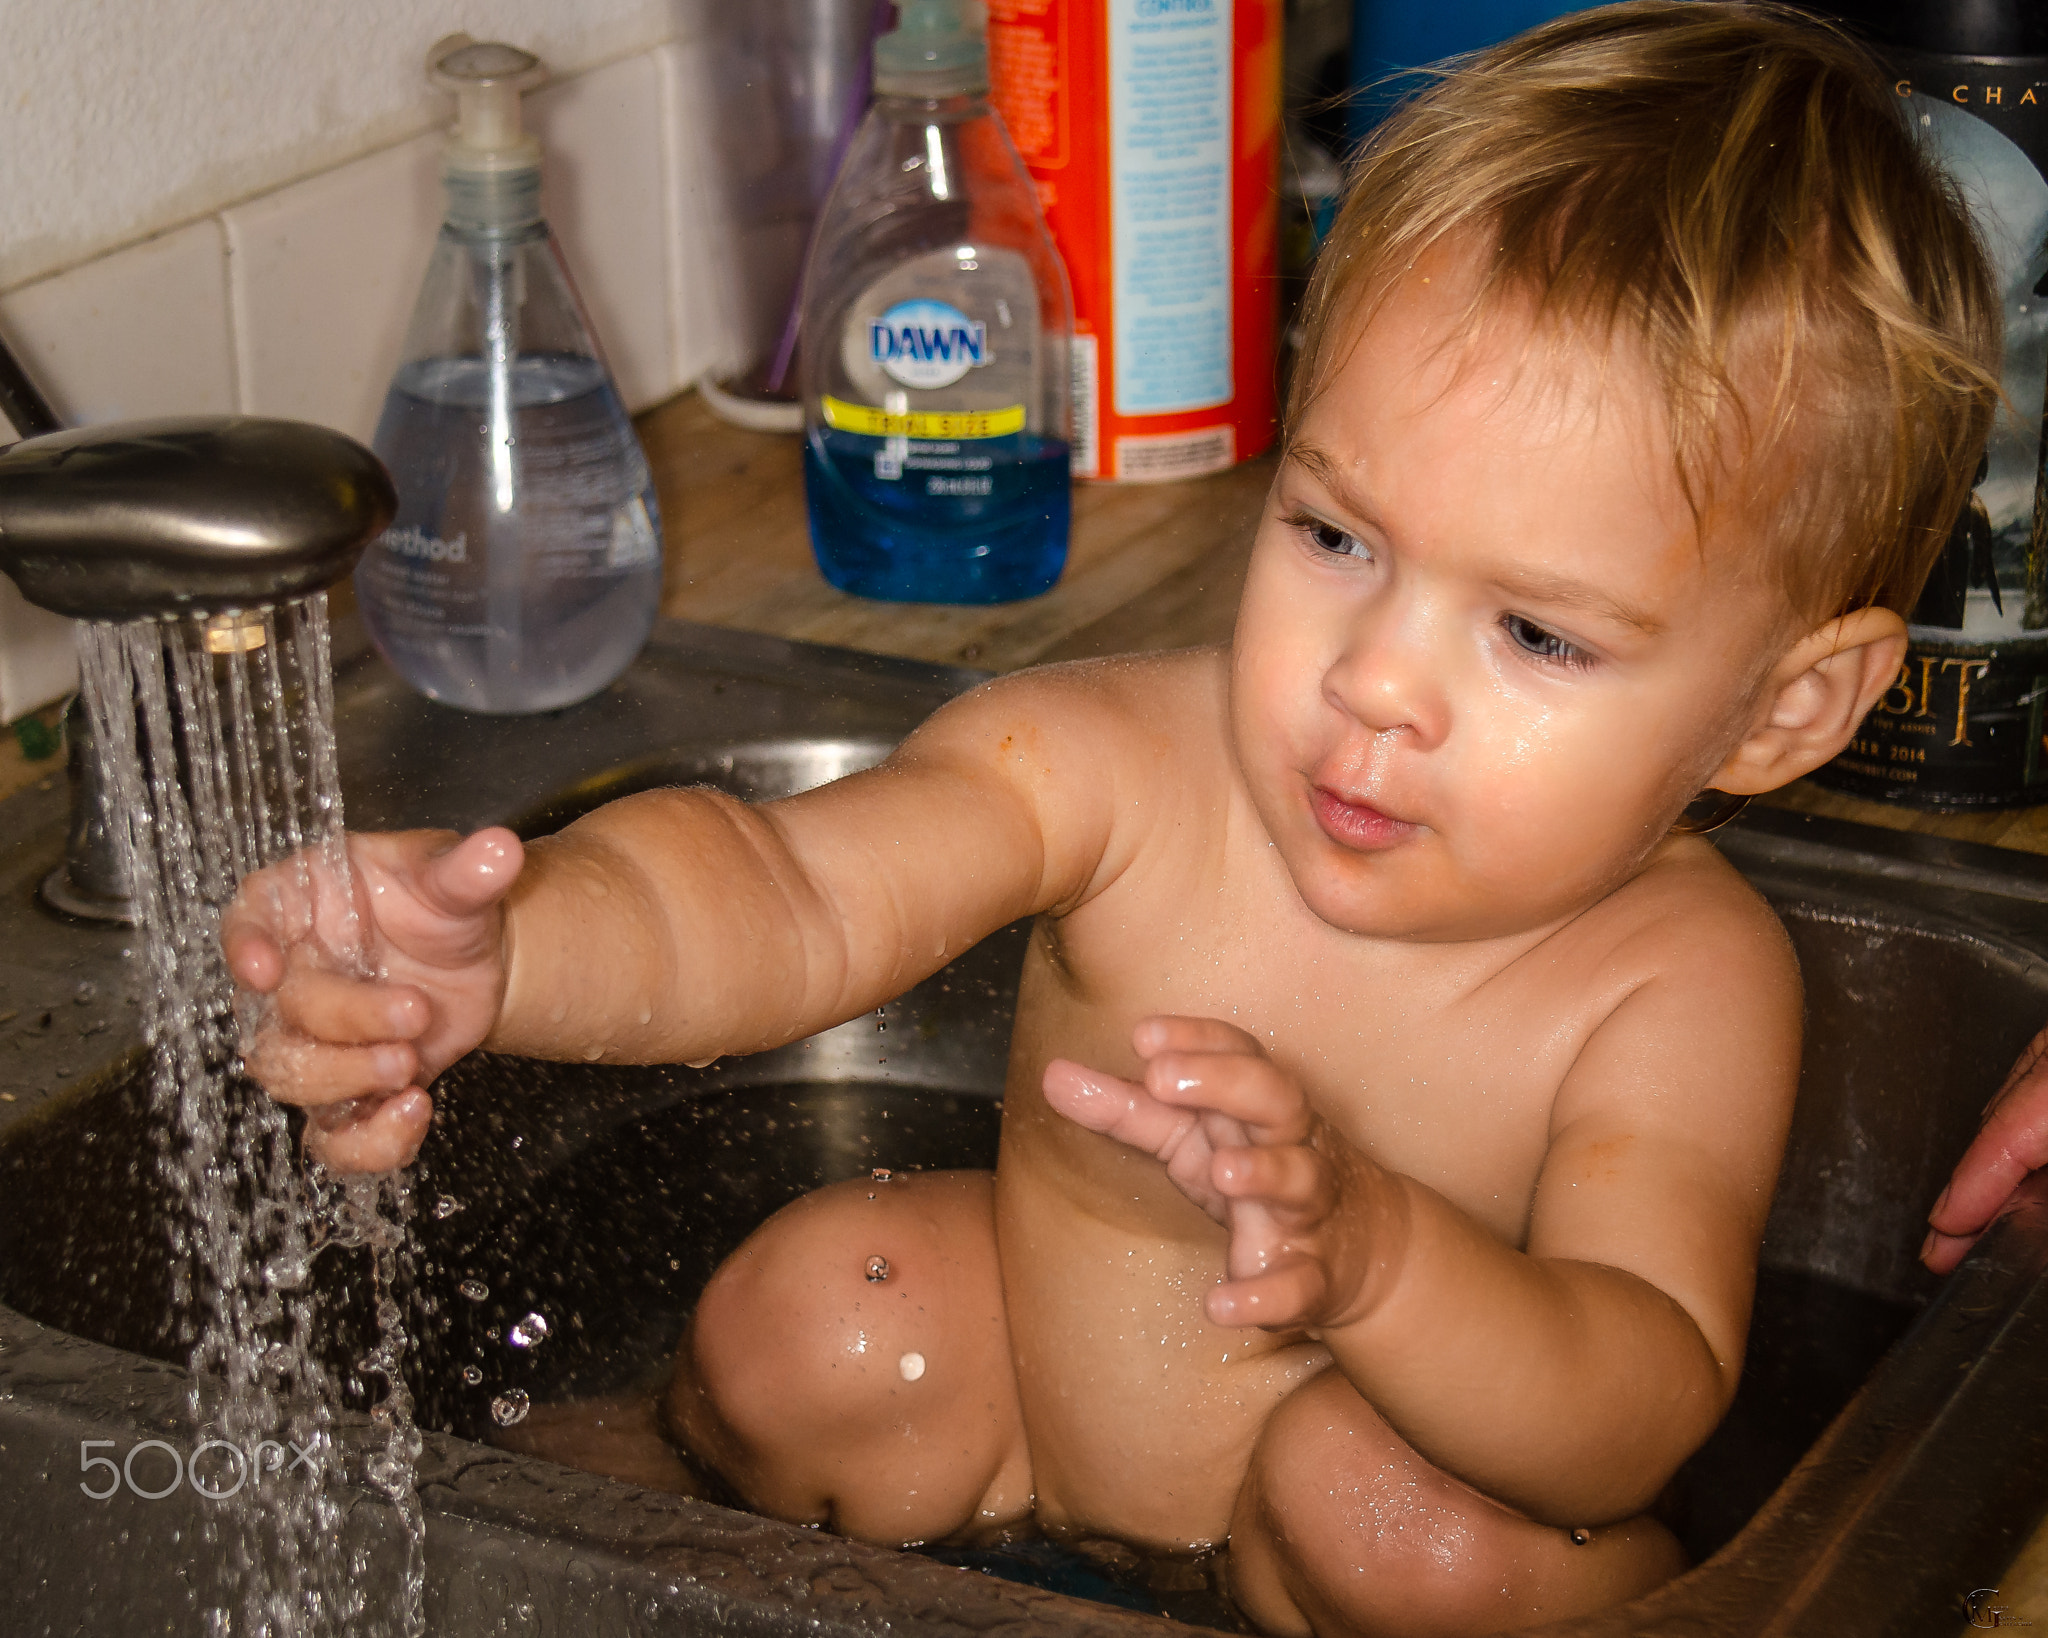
x=1148, y=706
x=1689, y=917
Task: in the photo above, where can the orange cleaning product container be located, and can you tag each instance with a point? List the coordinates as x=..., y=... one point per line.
x=1152, y=128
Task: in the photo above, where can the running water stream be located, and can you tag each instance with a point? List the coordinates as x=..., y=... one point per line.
x=216, y=740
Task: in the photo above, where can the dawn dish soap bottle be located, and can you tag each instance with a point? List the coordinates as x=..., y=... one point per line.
x=523, y=569
x=935, y=336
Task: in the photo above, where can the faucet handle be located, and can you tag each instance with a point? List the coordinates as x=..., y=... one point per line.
x=92, y=882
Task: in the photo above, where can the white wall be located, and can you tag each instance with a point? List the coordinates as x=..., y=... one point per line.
x=123, y=117
x=222, y=206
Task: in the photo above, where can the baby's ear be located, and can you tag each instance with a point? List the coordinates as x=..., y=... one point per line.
x=1817, y=696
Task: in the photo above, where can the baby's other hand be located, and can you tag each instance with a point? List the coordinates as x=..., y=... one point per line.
x=358, y=1052
x=1312, y=1221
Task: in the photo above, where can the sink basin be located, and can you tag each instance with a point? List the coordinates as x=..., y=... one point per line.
x=1887, y=1454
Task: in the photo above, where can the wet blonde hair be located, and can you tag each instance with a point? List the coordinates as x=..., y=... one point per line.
x=1733, y=189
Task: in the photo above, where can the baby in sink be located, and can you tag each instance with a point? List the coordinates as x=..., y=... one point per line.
x=1396, y=1089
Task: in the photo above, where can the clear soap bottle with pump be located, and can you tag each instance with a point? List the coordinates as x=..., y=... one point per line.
x=935, y=337
x=523, y=569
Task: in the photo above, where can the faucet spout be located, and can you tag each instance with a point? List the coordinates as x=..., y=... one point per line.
x=187, y=515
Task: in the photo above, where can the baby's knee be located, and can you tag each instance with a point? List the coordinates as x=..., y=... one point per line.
x=1343, y=1528
x=850, y=1364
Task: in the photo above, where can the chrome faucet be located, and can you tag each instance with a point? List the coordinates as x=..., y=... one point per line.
x=158, y=519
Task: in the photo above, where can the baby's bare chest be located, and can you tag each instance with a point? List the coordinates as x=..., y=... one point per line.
x=1447, y=1072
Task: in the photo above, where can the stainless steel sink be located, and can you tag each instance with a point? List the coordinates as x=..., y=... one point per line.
x=1908, y=1414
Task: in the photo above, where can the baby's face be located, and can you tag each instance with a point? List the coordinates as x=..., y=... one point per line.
x=1481, y=660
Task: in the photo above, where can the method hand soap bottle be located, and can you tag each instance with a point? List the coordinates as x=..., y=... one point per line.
x=935, y=335
x=523, y=570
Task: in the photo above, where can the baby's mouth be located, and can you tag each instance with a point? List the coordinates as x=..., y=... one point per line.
x=1357, y=825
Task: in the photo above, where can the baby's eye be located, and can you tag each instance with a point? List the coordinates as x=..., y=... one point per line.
x=1327, y=537
x=1531, y=638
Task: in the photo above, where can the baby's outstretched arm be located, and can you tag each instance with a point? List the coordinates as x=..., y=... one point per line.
x=681, y=925
x=1567, y=1378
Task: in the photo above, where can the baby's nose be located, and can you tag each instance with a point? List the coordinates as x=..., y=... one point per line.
x=1389, y=679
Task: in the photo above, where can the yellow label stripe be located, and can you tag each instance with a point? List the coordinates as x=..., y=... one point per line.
x=948, y=425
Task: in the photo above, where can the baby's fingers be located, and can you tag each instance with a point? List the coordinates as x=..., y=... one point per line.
x=375, y=1136
x=346, y=1011
x=255, y=958
x=1255, y=1093
x=1125, y=1111
x=1115, y=1107
x=293, y=1069
x=1291, y=1181
x=1280, y=1298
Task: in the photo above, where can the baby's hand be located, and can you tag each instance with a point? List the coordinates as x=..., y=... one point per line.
x=1314, y=1225
x=359, y=1052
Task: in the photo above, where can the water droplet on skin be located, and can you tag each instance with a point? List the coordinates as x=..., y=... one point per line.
x=447, y=1206
x=474, y=1290
x=646, y=1015
x=1581, y=1536
x=911, y=1366
x=701, y=1063
x=878, y=1269
x=592, y=1054
x=530, y=1332
x=510, y=1407
x=880, y=1174
x=472, y=1374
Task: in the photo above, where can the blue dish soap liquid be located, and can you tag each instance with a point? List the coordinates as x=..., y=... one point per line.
x=523, y=570
x=935, y=335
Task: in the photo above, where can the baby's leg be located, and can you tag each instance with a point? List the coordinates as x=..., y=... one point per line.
x=850, y=1365
x=1342, y=1528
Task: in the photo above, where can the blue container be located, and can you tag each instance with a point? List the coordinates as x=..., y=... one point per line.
x=1391, y=37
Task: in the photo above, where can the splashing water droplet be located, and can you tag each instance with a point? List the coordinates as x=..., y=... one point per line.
x=447, y=1206
x=474, y=1290
x=510, y=1407
x=530, y=1332
x=911, y=1366
x=472, y=1374
x=881, y=1174
x=878, y=1269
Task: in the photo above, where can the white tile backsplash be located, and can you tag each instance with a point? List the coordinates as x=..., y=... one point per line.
x=322, y=276
x=603, y=185
x=139, y=333
x=701, y=297
x=295, y=302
